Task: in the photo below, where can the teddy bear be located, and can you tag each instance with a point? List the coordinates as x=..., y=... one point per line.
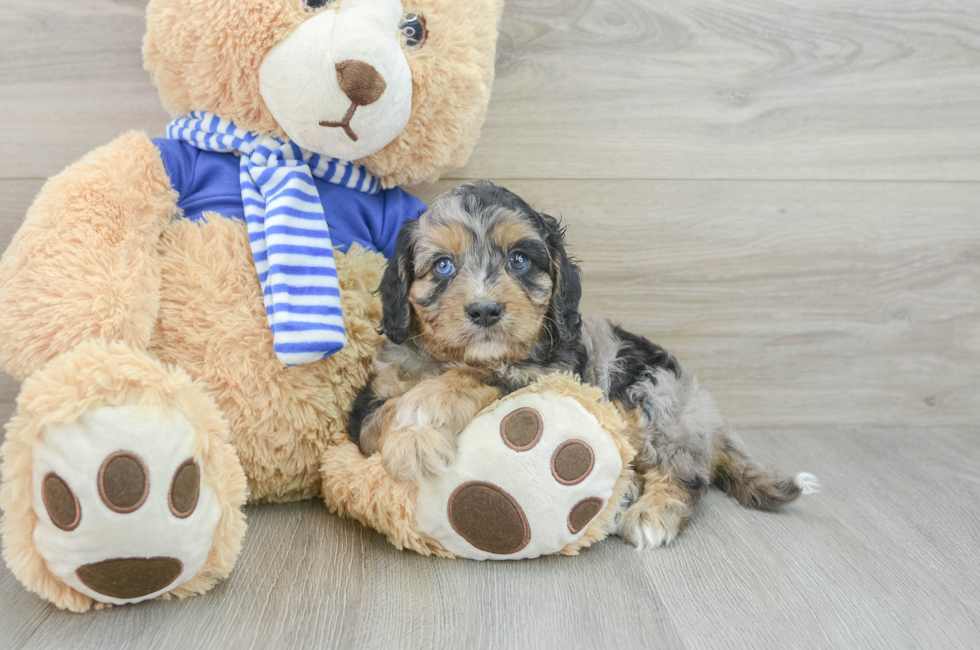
x=192, y=316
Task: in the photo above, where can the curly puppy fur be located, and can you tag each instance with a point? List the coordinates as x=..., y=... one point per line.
x=481, y=299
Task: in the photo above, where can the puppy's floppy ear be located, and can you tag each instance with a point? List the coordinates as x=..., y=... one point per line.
x=396, y=318
x=563, y=314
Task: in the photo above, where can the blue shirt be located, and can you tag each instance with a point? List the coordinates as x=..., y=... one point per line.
x=209, y=182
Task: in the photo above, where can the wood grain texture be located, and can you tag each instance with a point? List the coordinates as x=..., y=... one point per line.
x=795, y=303
x=868, y=563
x=798, y=304
x=837, y=89
x=747, y=182
x=694, y=89
x=72, y=79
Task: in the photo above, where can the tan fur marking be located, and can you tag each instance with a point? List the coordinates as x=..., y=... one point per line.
x=633, y=418
x=419, y=428
x=441, y=325
x=664, y=507
x=721, y=462
x=665, y=503
x=392, y=381
x=509, y=232
x=752, y=486
x=450, y=238
x=448, y=335
x=371, y=431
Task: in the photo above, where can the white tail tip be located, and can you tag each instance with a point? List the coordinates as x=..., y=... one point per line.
x=807, y=483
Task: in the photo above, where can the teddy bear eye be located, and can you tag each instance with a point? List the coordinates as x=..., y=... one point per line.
x=413, y=29
x=316, y=4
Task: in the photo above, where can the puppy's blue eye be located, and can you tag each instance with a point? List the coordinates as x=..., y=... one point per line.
x=518, y=262
x=444, y=267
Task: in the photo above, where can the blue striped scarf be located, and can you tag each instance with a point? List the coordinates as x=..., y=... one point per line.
x=287, y=230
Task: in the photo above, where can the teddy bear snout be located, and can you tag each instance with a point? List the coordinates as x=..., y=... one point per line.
x=360, y=82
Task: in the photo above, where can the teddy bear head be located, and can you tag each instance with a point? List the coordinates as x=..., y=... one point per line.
x=400, y=86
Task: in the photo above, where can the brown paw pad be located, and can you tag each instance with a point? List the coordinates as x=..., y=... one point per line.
x=583, y=512
x=185, y=489
x=572, y=462
x=60, y=502
x=521, y=429
x=488, y=518
x=129, y=577
x=123, y=482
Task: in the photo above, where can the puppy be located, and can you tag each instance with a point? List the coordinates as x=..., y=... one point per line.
x=480, y=299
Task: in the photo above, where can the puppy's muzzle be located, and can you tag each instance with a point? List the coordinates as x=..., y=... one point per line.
x=484, y=314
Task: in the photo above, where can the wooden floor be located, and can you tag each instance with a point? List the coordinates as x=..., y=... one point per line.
x=784, y=193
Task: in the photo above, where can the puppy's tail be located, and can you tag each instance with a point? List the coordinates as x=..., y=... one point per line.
x=734, y=471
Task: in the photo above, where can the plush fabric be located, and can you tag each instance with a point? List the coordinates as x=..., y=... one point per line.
x=84, y=265
x=525, y=476
x=365, y=99
x=415, y=517
x=212, y=323
x=287, y=231
x=153, y=404
x=451, y=81
x=150, y=444
x=99, y=375
x=209, y=183
x=206, y=56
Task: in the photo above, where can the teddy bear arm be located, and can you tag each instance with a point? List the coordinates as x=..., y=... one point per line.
x=84, y=264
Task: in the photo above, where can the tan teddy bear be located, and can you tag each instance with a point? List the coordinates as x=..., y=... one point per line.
x=162, y=384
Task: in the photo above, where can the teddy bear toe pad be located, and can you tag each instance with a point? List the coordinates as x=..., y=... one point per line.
x=488, y=518
x=123, y=511
x=530, y=476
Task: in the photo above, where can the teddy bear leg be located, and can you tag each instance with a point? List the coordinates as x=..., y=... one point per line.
x=541, y=471
x=119, y=483
x=84, y=264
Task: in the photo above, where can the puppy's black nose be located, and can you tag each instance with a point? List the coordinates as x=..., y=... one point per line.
x=485, y=314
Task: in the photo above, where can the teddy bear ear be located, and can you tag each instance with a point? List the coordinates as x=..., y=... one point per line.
x=205, y=56
x=449, y=104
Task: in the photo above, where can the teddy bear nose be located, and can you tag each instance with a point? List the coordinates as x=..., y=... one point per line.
x=360, y=82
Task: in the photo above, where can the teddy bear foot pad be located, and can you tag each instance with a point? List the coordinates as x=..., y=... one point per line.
x=530, y=477
x=123, y=513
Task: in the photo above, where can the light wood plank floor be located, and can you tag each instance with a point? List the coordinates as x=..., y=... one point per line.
x=784, y=193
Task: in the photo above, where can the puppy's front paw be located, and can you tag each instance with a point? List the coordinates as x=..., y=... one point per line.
x=648, y=526
x=410, y=453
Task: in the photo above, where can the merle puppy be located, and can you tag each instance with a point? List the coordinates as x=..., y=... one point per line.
x=481, y=299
